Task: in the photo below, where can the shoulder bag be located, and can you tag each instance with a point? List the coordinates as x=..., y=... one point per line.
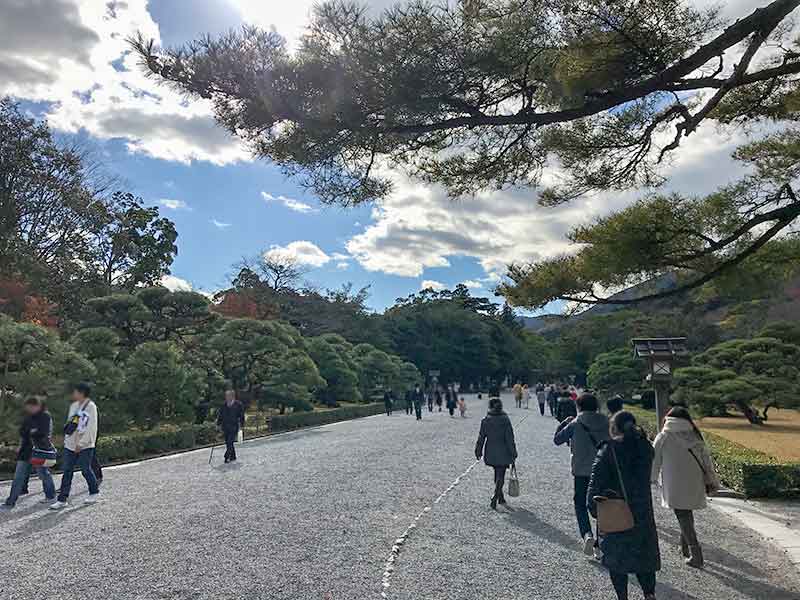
x=513, y=482
x=614, y=514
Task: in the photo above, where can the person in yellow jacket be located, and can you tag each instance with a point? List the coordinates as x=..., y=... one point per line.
x=80, y=436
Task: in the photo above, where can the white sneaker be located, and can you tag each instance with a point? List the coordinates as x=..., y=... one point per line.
x=58, y=505
x=46, y=500
x=588, y=544
x=92, y=499
x=598, y=554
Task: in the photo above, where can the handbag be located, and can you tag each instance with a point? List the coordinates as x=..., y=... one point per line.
x=513, y=482
x=43, y=458
x=614, y=514
x=240, y=436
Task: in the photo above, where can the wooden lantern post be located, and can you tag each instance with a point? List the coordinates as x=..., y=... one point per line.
x=661, y=354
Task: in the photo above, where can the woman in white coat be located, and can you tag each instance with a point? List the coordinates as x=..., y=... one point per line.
x=687, y=475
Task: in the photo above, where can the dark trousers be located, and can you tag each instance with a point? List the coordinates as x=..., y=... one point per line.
x=418, y=410
x=452, y=410
x=581, y=512
x=499, y=481
x=83, y=460
x=230, y=449
x=541, y=408
x=688, y=532
x=409, y=409
x=389, y=409
x=430, y=405
x=620, y=583
x=96, y=468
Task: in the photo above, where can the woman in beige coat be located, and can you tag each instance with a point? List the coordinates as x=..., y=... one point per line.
x=687, y=474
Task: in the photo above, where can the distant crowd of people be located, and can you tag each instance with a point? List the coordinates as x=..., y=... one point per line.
x=613, y=464
x=414, y=400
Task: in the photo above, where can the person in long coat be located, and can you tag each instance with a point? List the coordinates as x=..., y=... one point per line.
x=451, y=400
x=496, y=446
x=636, y=550
x=230, y=419
x=687, y=474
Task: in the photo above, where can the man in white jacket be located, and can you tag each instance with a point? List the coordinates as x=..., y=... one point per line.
x=80, y=435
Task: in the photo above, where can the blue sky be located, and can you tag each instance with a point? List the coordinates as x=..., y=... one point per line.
x=66, y=60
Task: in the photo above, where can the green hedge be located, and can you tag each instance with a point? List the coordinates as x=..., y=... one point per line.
x=310, y=419
x=753, y=473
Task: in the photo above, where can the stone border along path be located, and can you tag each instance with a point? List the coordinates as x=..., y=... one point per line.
x=397, y=547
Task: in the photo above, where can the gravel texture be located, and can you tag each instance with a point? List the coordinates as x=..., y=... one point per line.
x=316, y=513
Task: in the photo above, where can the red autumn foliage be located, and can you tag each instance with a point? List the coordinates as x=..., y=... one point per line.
x=17, y=301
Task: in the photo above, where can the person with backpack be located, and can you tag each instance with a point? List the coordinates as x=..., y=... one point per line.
x=584, y=434
x=80, y=437
x=230, y=419
x=497, y=447
x=565, y=406
x=622, y=473
x=683, y=465
x=35, y=447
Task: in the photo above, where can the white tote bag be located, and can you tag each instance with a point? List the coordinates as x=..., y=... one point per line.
x=513, y=483
x=240, y=436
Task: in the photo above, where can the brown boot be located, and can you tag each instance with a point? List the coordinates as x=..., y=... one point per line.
x=696, y=559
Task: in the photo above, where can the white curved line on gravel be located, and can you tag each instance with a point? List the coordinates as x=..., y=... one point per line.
x=394, y=553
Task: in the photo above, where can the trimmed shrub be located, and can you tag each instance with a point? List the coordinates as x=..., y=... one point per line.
x=310, y=419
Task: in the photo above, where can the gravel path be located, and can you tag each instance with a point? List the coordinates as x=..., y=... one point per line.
x=314, y=514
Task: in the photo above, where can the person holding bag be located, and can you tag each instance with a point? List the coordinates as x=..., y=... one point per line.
x=80, y=436
x=497, y=447
x=36, y=452
x=626, y=526
x=687, y=474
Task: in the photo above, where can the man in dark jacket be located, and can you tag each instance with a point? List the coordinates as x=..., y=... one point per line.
x=388, y=401
x=35, y=433
x=497, y=446
x=230, y=419
x=584, y=433
x=409, y=397
x=418, y=398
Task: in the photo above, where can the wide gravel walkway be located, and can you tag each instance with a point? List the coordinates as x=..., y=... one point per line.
x=315, y=514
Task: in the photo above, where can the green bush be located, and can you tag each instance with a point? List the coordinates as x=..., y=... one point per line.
x=748, y=471
x=309, y=419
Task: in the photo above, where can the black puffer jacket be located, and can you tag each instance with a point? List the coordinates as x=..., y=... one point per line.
x=496, y=440
x=36, y=430
x=634, y=551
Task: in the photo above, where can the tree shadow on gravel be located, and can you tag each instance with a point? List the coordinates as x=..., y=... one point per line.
x=758, y=590
x=20, y=512
x=46, y=522
x=283, y=438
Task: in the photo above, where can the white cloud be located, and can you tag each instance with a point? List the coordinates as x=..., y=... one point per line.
x=430, y=284
x=473, y=284
x=173, y=204
x=220, y=224
x=342, y=266
x=73, y=54
x=302, y=252
x=176, y=284
x=290, y=203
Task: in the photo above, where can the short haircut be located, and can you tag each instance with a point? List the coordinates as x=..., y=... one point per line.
x=83, y=388
x=614, y=404
x=496, y=404
x=33, y=401
x=587, y=402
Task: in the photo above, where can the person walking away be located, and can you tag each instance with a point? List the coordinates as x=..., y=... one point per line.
x=230, y=419
x=565, y=407
x=614, y=405
x=518, y=394
x=388, y=401
x=687, y=474
x=526, y=396
x=626, y=460
x=80, y=437
x=418, y=397
x=462, y=407
x=552, y=399
x=430, y=399
x=584, y=434
x=496, y=446
x=35, y=433
x=437, y=398
x=451, y=401
x=541, y=398
x=409, y=402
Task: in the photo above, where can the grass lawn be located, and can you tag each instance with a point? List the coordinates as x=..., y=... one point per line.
x=778, y=437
